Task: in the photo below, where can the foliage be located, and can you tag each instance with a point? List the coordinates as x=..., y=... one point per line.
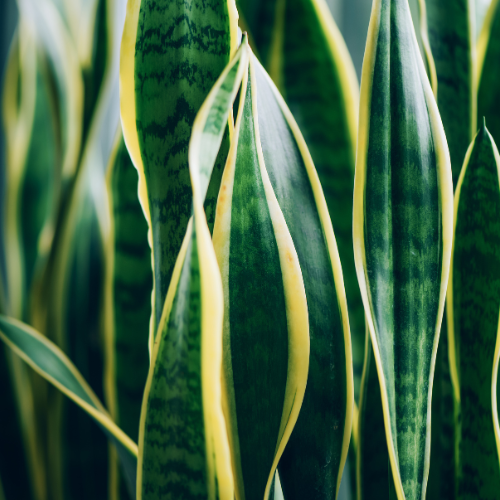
x=266, y=272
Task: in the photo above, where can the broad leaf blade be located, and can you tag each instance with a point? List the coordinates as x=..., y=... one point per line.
x=307, y=58
x=52, y=364
x=473, y=319
x=317, y=449
x=266, y=334
x=185, y=375
x=402, y=233
x=172, y=53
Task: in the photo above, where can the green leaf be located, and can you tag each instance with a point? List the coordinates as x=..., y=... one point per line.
x=442, y=466
x=129, y=283
x=69, y=299
x=14, y=465
x=488, y=72
x=402, y=234
x=52, y=364
x=372, y=457
x=183, y=445
x=266, y=330
x=317, y=449
x=53, y=35
x=23, y=103
x=171, y=55
x=452, y=44
x=306, y=57
x=473, y=320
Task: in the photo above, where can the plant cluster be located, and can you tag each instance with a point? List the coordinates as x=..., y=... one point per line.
x=275, y=279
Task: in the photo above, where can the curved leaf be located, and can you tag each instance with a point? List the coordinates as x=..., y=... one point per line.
x=182, y=400
x=52, y=364
x=307, y=58
x=22, y=100
x=171, y=55
x=69, y=296
x=473, y=319
x=402, y=234
x=317, y=449
x=266, y=331
x=52, y=33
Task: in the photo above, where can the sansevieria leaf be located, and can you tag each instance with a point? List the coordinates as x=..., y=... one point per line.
x=305, y=55
x=52, y=364
x=372, y=458
x=473, y=307
x=487, y=70
x=266, y=325
x=403, y=212
x=314, y=457
x=24, y=105
x=128, y=295
x=450, y=27
x=183, y=444
x=172, y=53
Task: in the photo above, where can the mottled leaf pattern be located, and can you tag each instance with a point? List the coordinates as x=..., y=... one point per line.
x=473, y=315
x=129, y=284
x=402, y=234
x=183, y=447
x=317, y=450
x=174, y=52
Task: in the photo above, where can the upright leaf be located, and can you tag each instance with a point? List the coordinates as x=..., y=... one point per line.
x=307, y=58
x=266, y=325
x=488, y=72
x=372, y=458
x=473, y=317
x=183, y=446
x=316, y=452
x=171, y=55
x=22, y=103
x=128, y=295
x=70, y=294
x=402, y=234
x=450, y=26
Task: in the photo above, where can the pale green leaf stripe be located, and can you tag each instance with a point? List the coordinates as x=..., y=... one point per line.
x=451, y=41
x=403, y=217
x=185, y=375
x=52, y=364
x=325, y=421
x=473, y=306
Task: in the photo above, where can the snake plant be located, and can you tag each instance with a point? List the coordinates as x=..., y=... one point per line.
x=231, y=272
